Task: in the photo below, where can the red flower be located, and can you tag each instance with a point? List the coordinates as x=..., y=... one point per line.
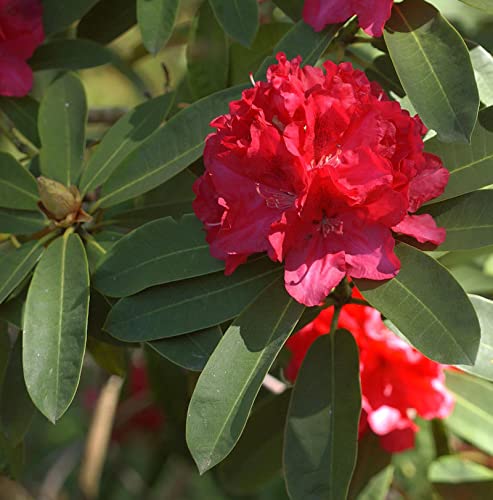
x=372, y=14
x=21, y=31
x=397, y=382
x=317, y=169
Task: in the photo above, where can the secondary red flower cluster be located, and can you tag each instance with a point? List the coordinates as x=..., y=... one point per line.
x=318, y=169
x=372, y=14
x=398, y=383
x=21, y=31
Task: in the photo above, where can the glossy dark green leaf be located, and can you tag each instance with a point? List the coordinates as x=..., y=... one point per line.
x=301, y=40
x=239, y=18
x=55, y=326
x=136, y=217
x=159, y=252
x=71, y=54
x=472, y=417
x=23, y=113
x=122, y=139
x=435, y=69
x=467, y=220
x=156, y=19
x=226, y=389
x=16, y=265
x=207, y=55
x=59, y=15
x=95, y=26
x=12, y=311
x=486, y=5
x=62, y=128
x=16, y=407
x=470, y=166
x=293, y=8
x=190, y=351
x=482, y=62
x=257, y=457
x=372, y=460
x=439, y=320
x=168, y=151
x=322, y=427
x=18, y=187
x=109, y=357
x=21, y=221
x=483, y=367
x=165, y=311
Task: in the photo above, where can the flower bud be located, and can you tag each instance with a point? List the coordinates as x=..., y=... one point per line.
x=59, y=200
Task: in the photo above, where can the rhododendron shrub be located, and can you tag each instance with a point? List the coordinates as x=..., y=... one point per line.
x=319, y=169
x=372, y=14
x=398, y=383
x=202, y=185
x=21, y=32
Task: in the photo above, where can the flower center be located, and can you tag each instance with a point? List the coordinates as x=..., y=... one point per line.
x=329, y=225
x=275, y=198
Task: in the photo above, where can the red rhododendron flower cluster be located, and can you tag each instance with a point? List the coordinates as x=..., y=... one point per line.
x=21, y=31
x=397, y=381
x=318, y=169
x=372, y=14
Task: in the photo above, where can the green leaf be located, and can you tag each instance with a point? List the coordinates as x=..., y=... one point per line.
x=207, y=55
x=257, y=457
x=95, y=26
x=70, y=55
x=59, y=15
x=110, y=357
x=17, y=410
x=470, y=166
x=226, y=389
x=152, y=164
x=23, y=112
x=301, y=40
x=486, y=5
x=21, y=221
x=435, y=69
x=483, y=367
x=55, y=326
x=472, y=418
x=98, y=246
x=122, y=139
x=18, y=187
x=467, y=220
x=372, y=460
x=482, y=62
x=453, y=469
x=164, y=311
x=16, y=265
x=156, y=19
x=190, y=351
x=239, y=18
x=161, y=251
x=379, y=486
x=322, y=427
x=12, y=311
x=438, y=320
x=136, y=217
x=62, y=127
x=292, y=8
x=4, y=349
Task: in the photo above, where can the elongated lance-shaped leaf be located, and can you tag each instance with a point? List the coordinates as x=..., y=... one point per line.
x=482, y=62
x=486, y=5
x=16, y=265
x=470, y=165
x=164, y=311
x=429, y=307
x=21, y=221
x=302, y=41
x=483, y=367
x=293, y=8
x=229, y=384
x=59, y=15
x=239, y=18
x=62, y=126
x=156, y=19
x=435, y=69
x=190, y=351
x=55, y=326
x=472, y=417
x=467, y=219
x=159, y=252
x=322, y=426
x=168, y=151
x=17, y=185
x=23, y=113
x=125, y=136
